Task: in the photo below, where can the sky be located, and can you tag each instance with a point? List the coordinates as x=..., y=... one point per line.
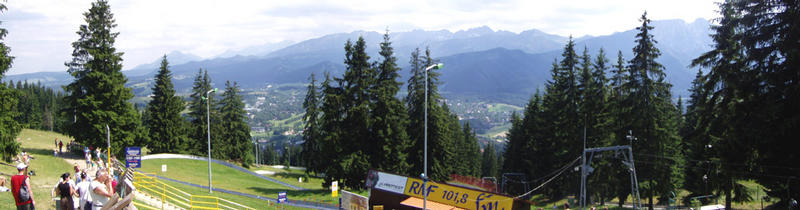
x=41, y=31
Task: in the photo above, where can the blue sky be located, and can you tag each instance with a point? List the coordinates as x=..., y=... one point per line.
x=40, y=31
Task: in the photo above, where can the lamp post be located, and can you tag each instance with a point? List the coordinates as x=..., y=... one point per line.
x=256, y=146
x=208, y=134
x=425, y=167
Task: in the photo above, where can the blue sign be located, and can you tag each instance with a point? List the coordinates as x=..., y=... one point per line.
x=282, y=197
x=133, y=157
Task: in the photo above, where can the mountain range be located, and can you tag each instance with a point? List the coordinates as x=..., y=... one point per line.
x=496, y=64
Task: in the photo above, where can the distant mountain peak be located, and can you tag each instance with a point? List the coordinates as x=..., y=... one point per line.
x=474, y=32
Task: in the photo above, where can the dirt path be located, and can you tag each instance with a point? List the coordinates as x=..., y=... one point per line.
x=74, y=159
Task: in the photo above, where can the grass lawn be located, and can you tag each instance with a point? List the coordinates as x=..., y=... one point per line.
x=290, y=177
x=40, y=145
x=500, y=107
x=247, y=201
x=756, y=191
x=196, y=172
x=497, y=130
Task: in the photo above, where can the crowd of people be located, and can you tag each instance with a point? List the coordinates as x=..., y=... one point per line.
x=85, y=193
x=74, y=190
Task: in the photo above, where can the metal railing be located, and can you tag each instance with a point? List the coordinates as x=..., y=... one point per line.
x=205, y=202
x=149, y=183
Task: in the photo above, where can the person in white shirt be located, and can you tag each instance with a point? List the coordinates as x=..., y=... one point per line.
x=101, y=190
x=3, y=187
x=85, y=200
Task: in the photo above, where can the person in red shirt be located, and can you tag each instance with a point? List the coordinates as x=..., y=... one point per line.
x=19, y=180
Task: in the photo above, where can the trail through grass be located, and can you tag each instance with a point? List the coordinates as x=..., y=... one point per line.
x=48, y=168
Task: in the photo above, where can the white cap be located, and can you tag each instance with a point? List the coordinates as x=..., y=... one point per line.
x=21, y=166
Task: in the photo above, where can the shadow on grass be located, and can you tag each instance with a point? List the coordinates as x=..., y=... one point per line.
x=288, y=175
x=37, y=151
x=300, y=193
x=319, y=196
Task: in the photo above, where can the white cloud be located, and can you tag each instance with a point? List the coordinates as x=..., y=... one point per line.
x=40, y=32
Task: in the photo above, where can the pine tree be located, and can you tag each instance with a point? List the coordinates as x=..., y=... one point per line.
x=619, y=111
x=311, y=133
x=769, y=89
x=5, y=51
x=414, y=105
x=98, y=96
x=525, y=141
x=598, y=123
x=728, y=117
x=439, y=141
x=655, y=123
x=562, y=102
x=198, y=132
x=165, y=123
x=236, y=140
x=359, y=76
x=9, y=127
x=695, y=142
x=389, y=117
x=489, y=161
x=331, y=124
x=472, y=152
x=515, y=147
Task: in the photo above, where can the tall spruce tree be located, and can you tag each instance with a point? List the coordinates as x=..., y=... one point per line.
x=439, y=141
x=515, y=147
x=695, y=143
x=472, y=152
x=236, y=140
x=597, y=123
x=9, y=128
x=167, y=132
x=311, y=130
x=619, y=111
x=389, y=119
x=655, y=124
x=489, y=161
x=552, y=105
x=98, y=96
x=562, y=101
x=359, y=77
x=198, y=114
x=331, y=124
x=727, y=119
x=770, y=91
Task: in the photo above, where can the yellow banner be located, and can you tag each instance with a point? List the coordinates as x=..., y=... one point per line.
x=457, y=196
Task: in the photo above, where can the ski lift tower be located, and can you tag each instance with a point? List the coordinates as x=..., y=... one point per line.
x=624, y=151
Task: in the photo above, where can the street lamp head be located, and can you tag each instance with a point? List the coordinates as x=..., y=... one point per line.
x=211, y=91
x=435, y=66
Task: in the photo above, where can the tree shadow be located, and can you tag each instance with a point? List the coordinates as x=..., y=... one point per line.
x=302, y=193
x=318, y=195
x=288, y=175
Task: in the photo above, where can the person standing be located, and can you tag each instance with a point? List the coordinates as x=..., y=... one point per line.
x=25, y=157
x=77, y=170
x=85, y=199
x=60, y=146
x=3, y=187
x=101, y=190
x=88, y=156
x=19, y=181
x=65, y=191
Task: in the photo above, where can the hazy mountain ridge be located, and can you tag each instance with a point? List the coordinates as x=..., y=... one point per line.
x=477, y=61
